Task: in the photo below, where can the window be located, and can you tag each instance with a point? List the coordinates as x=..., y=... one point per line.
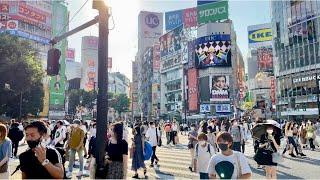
x=13, y=9
x=22, y=25
x=30, y=28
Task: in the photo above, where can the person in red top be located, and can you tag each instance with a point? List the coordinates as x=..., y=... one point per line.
x=168, y=130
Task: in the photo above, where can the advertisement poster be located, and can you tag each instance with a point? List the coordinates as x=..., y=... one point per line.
x=265, y=62
x=213, y=12
x=70, y=56
x=213, y=51
x=190, y=17
x=273, y=93
x=193, y=89
x=173, y=19
x=260, y=35
x=151, y=24
x=223, y=108
x=202, y=2
x=57, y=83
x=170, y=43
x=156, y=57
x=220, y=88
x=89, y=61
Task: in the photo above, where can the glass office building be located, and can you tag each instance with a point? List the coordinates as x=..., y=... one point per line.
x=296, y=34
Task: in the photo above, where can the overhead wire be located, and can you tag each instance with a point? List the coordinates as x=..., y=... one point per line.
x=73, y=17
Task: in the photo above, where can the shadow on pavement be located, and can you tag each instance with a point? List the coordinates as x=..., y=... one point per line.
x=306, y=160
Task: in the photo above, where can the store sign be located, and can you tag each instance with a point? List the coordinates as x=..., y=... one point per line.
x=5, y=17
x=213, y=12
x=32, y=13
x=170, y=62
x=260, y=35
x=247, y=105
x=27, y=36
x=273, y=93
x=223, y=108
x=204, y=108
x=4, y=8
x=173, y=19
x=305, y=79
x=190, y=17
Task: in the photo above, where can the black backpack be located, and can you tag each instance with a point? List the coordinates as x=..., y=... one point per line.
x=197, y=149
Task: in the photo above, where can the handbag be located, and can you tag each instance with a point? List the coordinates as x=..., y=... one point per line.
x=190, y=145
x=277, y=158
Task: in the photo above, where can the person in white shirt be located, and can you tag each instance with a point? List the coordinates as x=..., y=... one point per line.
x=202, y=154
x=125, y=132
x=244, y=136
x=175, y=129
x=153, y=136
x=84, y=127
x=228, y=164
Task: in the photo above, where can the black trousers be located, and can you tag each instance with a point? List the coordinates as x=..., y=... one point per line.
x=173, y=135
x=15, y=146
x=154, y=156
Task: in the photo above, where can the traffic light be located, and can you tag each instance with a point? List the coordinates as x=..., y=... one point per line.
x=53, y=65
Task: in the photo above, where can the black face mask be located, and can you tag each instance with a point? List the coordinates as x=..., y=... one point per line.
x=223, y=147
x=33, y=144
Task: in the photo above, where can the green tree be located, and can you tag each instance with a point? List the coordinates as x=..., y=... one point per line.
x=22, y=70
x=75, y=96
x=120, y=102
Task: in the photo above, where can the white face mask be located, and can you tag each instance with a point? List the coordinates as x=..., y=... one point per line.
x=269, y=131
x=202, y=143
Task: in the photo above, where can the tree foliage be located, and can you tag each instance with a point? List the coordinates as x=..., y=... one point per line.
x=22, y=70
x=75, y=96
x=120, y=102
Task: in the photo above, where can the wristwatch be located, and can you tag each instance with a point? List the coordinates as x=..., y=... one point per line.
x=45, y=162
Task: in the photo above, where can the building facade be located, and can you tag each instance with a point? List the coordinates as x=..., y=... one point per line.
x=118, y=83
x=296, y=33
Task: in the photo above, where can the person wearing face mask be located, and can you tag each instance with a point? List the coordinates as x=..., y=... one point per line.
x=76, y=146
x=203, y=152
x=152, y=136
x=228, y=164
x=296, y=139
x=269, y=143
x=310, y=134
x=236, y=134
x=39, y=162
x=192, y=136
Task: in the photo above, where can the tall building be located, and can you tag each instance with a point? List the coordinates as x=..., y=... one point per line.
x=296, y=33
x=260, y=70
x=118, y=83
x=38, y=22
x=135, y=88
x=150, y=28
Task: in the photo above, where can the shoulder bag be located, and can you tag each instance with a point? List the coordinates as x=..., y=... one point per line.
x=236, y=154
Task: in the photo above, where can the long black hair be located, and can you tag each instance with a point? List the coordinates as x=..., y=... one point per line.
x=118, y=131
x=137, y=130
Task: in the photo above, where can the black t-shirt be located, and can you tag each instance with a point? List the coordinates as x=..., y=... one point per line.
x=31, y=166
x=116, y=151
x=270, y=146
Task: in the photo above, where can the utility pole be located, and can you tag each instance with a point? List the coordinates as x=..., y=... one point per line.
x=102, y=99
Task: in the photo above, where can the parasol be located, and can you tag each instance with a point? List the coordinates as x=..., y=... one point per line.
x=260, y=129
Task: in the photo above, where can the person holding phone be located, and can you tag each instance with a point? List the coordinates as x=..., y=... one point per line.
x=39, y=161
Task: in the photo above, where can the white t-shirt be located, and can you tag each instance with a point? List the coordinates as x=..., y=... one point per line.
x=125, y=135
x=175, y=127
x=84, y=128
x=60, y=135
x=151, y=133
x=93, y=132
x=222, y=163
x=203, y=157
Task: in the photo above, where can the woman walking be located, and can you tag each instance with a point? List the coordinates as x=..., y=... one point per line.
x=269, y=143
x=117, y=153
x=5, y=152
x=311, y=134
x=138, y=152
x=290, y=140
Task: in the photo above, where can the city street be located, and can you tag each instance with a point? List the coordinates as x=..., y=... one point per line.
x=175, y=160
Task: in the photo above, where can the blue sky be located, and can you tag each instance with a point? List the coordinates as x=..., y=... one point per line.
x=123, y=39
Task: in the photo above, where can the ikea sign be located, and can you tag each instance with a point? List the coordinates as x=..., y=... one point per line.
x=260, y=35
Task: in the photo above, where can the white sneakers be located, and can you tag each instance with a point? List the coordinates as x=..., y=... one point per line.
x=69, y=174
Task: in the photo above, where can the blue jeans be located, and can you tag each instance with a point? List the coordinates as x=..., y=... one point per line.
x=72, y=158
x=291, y=141
x=236, y=146
x=204, y=175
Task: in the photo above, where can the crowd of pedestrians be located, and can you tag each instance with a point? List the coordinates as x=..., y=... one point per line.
x=216, y=147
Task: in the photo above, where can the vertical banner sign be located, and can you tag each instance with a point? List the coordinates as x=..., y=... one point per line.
x=213, y=12
x=273, y=95
x=156, y=57
x=193, y=89
x=240, y=81
x=57, y=83
x=189, y=17
x=173, y=19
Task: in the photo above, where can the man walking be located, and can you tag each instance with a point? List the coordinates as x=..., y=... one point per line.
x=168, y=129
x=153, y=136
x=235, y=132
x=58, y=141
x=15, y=135
x=175, y=128
x=76, y=146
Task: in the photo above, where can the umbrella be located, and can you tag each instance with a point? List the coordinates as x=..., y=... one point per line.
x=260, y=129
